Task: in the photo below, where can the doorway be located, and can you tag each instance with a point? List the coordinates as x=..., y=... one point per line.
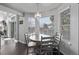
x=13, y=29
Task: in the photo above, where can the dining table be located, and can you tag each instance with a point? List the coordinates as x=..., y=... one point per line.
x=32, y=37
x=33, y=40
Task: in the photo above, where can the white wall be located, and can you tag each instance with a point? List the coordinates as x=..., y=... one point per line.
x=74, y=28
x=22, y=31
x=78, y=29
x=9, y=29
x=23, y=28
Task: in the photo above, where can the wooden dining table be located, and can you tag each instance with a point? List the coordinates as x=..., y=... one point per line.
x=32, y=37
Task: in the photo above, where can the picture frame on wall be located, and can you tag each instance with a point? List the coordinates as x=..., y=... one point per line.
x=21, y=22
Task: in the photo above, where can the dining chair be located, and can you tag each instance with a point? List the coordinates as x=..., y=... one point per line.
x=56, y=45
x=49, y=45
x=31, y=46
x=46, y=45
x=58, y=38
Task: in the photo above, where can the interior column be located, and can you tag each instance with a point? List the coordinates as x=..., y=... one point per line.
x=17, y=27
x=37, y=28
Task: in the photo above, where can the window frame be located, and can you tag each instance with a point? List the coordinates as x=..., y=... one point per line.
x=63, y=10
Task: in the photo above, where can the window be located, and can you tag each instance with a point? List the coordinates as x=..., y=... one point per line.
x=46, y=25
x=65, y=24
x=31, y=25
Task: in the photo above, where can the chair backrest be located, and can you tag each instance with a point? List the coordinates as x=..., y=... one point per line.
x=47, y=41
x=26, y=38
x=29, y=42
x=58, y=38
x=51, y=40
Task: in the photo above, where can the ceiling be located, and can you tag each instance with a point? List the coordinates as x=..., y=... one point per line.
x=32, y=7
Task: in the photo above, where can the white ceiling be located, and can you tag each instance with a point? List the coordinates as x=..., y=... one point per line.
x=32, y=7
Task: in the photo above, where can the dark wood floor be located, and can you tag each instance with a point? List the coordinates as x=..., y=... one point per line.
x=10, y=47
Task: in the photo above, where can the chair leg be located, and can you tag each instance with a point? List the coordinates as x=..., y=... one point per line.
x=52, y=50
x=58, y=50
x=27, y=50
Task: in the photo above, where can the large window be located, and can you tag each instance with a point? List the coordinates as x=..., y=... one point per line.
x=65, y=24
x=46, y=25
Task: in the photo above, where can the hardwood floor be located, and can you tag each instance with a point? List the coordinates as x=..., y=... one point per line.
x=10, y=47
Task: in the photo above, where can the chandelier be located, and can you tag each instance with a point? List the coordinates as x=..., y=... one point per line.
x=37, y=14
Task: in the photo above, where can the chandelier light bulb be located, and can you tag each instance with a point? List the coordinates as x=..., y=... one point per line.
x=37, y=15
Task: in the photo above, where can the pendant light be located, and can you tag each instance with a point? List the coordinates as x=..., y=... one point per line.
x=37, y=13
